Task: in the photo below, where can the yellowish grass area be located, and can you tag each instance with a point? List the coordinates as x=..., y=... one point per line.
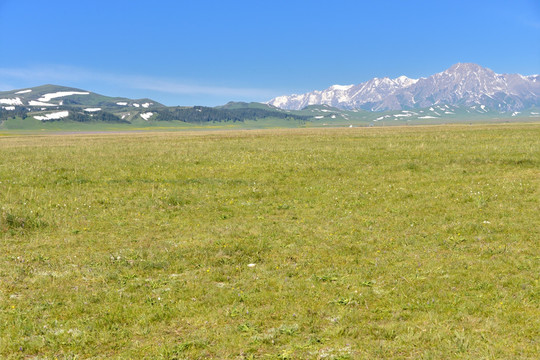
x=394, y=243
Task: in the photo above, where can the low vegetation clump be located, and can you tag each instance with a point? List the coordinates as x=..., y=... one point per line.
x=394, y=243
x=10, y=222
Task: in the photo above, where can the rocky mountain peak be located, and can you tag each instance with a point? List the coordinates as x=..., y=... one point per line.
x=461, y=84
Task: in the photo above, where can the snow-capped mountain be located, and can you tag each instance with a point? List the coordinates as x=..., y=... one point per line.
x=462, y=84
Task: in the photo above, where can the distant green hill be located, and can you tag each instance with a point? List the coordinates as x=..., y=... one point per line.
x=55, y=95
x=64, y=105
x=198, y=114
x=245, y=105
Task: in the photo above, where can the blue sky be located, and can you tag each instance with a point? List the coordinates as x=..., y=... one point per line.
x=210, y=52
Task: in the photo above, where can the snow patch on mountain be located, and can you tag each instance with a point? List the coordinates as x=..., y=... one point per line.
x=53, y=116
x=16, y=101
x=147, y=115
x=405, y=81
x=39, y=103
x=50, y=96
x=341, y=87
x=24, y=91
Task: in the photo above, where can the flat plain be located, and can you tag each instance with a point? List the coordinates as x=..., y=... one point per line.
x=363, y=243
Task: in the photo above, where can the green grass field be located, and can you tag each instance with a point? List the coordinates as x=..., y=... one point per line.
x=367, y=243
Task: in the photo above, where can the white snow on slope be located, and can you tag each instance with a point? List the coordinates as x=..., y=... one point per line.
x=16, y=101
x=24, y=91
x=92, y=109
x=280, y=101
x=136, y=105
x=147, y=115
x=341, y=87
x=122, y=103
x=48, y=97
x=405, y=81
x=145, y=105
x=39, y=103
x=8, y=107
x=53, y=116
x=428, y=117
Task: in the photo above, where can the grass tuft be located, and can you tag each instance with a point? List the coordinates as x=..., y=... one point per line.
x=20, y=222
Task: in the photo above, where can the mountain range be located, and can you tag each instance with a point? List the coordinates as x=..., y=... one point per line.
x=463, y=93
x=463, y=84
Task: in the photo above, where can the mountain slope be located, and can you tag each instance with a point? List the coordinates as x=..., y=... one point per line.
x=461, y=85
x=50, y=96
x=52, y=103
x=60, y=103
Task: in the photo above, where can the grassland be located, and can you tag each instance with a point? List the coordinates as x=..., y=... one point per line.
x=394, y=243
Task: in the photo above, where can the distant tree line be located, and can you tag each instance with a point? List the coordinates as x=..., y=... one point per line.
x=75, y=114
x=196, y=114
x=18, y=112
x=95, y=116
x=208, y=114
x=71, y=102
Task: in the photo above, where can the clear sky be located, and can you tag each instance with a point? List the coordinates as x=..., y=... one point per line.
x=209, y=52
